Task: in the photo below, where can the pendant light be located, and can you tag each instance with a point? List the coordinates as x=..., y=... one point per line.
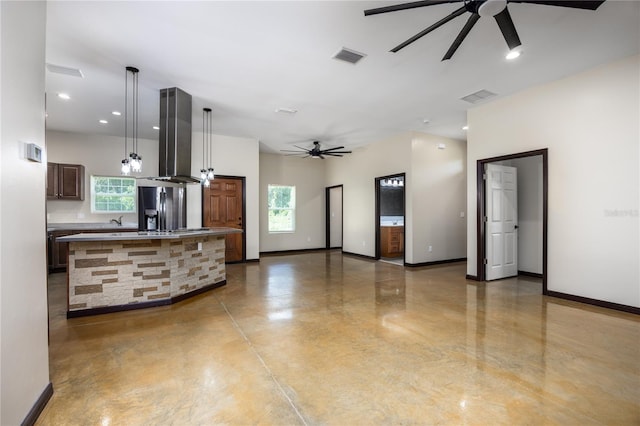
x=206, y=173
x=132, y=162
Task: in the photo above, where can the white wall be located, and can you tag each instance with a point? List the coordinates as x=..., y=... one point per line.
x=529, y=213
x=590, y=122
x=434, y=190
x=232, y=156
x=308, y=176
x=437, y=190
x=24, y=363
x=357, y=172
x=101, y=155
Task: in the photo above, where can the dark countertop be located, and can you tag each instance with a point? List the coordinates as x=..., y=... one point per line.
x=118, y=236
x=90, y=225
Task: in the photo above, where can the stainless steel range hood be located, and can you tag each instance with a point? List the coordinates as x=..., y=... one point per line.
x=175, y=137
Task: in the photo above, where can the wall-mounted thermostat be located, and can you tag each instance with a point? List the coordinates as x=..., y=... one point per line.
x=34, y=152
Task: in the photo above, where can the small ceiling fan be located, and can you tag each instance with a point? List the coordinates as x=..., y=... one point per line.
x=316, y=152
x=479, y=8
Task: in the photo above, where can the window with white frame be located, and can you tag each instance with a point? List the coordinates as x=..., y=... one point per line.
x=113, y=194
x=282, y=208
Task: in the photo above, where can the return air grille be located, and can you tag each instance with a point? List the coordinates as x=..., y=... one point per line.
x=59, y=69
x=349, y=55
x=478, y=96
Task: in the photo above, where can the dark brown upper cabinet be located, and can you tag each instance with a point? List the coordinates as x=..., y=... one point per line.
x=65, y=181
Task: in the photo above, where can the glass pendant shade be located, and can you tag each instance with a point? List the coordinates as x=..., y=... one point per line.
x=136, y=162
x=125, y=169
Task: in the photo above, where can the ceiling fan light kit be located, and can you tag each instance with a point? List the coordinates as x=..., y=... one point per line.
x=513, y=54
x=479, y=8
x=316, y=152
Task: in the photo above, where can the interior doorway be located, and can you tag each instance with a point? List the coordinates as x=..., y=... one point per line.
x=224, y=205
x=536, y=230
x=334, y=198
x=390, y=215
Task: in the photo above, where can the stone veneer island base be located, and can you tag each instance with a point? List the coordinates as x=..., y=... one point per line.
x=130, y=270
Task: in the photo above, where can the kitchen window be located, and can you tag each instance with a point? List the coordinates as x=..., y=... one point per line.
x=113, y=194
x=282, y=208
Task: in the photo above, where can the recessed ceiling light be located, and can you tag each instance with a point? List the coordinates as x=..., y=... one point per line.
x=115, y=112
x=64, y=96
x=287, y=110
x=513, y=54
x=103, y=121
x=465, y=128
x=156, y=128
x=426, y=121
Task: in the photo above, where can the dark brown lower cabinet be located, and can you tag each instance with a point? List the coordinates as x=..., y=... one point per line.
x=57, y=251
x=391, y=241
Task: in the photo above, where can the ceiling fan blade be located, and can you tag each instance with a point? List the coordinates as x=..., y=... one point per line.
x=333, y=149
x=463, y=33
x=575, y=4
x=292, y=150
x=304, y=149
x=405, y=6
x=438, y=24
x=508, y=29
x=337, y=152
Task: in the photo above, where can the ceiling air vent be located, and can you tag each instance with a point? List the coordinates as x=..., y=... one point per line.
x=349, y=55
x=59, y=69
x=478, y=96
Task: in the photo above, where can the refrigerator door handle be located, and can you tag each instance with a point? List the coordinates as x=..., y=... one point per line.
x=163, y=210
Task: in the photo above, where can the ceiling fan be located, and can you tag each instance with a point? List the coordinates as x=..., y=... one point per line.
x=479, y=8
x=316, y=152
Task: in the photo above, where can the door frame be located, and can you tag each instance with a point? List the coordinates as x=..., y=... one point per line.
x=327, y=197
x=243, y=181
x=480, y=209
x=377, y=210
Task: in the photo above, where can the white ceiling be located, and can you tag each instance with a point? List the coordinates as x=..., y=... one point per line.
x=246, y=59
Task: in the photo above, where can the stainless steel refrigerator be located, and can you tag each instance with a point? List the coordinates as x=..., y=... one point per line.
x=162, y=208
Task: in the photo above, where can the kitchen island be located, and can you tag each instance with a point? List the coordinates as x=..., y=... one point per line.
x=119, y=271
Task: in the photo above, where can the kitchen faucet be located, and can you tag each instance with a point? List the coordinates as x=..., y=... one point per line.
x=117, y=221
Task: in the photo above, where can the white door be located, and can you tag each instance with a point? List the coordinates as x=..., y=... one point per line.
x=501, y=221
x=335, y=217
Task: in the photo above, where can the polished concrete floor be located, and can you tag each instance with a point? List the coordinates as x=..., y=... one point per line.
x=322, y=338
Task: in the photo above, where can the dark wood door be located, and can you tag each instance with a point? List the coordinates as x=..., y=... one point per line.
x=223, y=206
